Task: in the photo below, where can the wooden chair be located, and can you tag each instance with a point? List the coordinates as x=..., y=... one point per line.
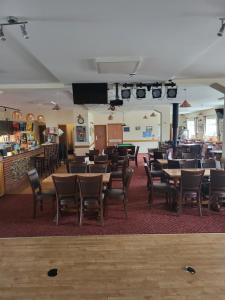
x=121, y=193
x=217, y=187
x=98, y=168
x=161, y=187
x=92, y=153
x=189, y=164
x=188, y=155
x=120, y=172
x=101, y=158
x=79, y=159
x=39, y=194
x=134, y=157
x=173, y=164
x=190, y=187
x=209, y=163
x=66, y=194
x=91, y=193
x=76, y=167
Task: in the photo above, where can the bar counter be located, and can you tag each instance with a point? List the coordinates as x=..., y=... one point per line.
x=13, y=170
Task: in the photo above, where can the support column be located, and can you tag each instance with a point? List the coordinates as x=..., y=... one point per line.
x=175, y=124
x=223, y=155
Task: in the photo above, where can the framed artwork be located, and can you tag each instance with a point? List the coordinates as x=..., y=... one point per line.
x=81, y=134
x=126, y=129
x=137, y=127
x=148, y=129
x=146, y=134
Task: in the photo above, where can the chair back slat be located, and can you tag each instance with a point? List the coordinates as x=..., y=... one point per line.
x=90, y=187
x=189, y=164
x=191, y=180
x=75, y=167
x=98, y=168
x=173, y=164
x=65, y=186
x=217, y=180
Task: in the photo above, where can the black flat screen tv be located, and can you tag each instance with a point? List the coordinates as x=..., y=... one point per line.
x=90, y=93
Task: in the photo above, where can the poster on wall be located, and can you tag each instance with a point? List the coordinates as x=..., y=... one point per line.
x=126, y=129
x=148, y=132
x=81, y=134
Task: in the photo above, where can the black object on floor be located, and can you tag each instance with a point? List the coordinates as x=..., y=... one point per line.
x=53, y=272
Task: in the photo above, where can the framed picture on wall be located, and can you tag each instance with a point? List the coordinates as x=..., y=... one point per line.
x=148, y=129
x=126, y=129
x=81, y=134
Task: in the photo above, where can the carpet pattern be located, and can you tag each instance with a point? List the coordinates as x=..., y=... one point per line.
x=16, y=217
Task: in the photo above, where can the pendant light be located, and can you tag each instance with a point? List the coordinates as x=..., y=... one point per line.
x=40, y=118
x=30, y=117
x=185, y=103
x=16, y=116
x=110, y=117
x=153, y=114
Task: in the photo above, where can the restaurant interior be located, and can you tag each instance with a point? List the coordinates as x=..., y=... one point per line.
x=112, y=149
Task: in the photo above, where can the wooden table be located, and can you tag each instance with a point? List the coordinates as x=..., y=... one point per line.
x=114, y=267
x=164, y=162
x=176, y=173
x=48, y=182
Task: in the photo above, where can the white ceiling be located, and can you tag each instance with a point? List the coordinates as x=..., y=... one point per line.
x=175, y=39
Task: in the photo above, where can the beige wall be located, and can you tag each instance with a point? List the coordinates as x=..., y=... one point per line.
x=133, y=119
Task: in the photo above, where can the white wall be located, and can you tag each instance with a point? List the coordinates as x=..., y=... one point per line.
x=199, y=118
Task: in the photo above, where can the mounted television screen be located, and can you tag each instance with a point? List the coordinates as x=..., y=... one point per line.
x=90, y=93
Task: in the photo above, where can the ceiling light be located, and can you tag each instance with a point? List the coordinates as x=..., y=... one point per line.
x=156, y=92
x=13, y=21
x=126, y=93
x=222, y=28
x=185, y=103
x=153, y=115
x=2, y=36
x=140, y=93
x=24, y=31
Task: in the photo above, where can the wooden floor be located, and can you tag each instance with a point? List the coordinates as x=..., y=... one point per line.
x=113, y=267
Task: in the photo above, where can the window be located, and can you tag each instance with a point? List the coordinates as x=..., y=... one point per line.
x=210, y=127
x=191, y=128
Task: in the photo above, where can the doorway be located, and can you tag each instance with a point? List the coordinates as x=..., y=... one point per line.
x=115, y=134
x=100, y=137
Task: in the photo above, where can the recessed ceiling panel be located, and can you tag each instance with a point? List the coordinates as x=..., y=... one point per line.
x=121, y=65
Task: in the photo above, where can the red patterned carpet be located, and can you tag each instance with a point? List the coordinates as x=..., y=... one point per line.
x=16, y=220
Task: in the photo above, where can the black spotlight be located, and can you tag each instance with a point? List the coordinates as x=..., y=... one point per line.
x=156, y=92
x=171, y=92
x=126, y=93
x=141, y=93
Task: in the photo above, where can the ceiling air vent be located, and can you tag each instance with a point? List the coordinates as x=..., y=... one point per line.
x=118, y=65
